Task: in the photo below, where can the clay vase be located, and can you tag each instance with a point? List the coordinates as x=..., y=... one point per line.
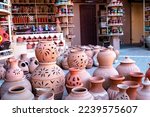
x=2, y=72
x=143, y=93
x=126, y=67
x=96, y=88
x=24, y=57
x=33, y=64
x=132, y=90
x=18, y=93
x=46, y=96
x=24, y=66
x=14, y=72
x=147, y=74
x=46, y=51
x=73, y=80
x=79, y=93
x=88, y=51
x=113, y=89
x=95, y=61
x=90, y=63
x=137, y=76
x=65, y=63
x=122, y=95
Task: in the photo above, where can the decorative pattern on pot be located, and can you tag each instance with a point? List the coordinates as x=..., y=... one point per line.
x=97, y=89
x=79, y=93
x=2, y=72
x=46, y=51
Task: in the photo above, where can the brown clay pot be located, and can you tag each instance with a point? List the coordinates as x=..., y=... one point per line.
x=73, y=80
x=18, y=93
x=96, y=88
x=2, y=72
x=88, y=51
x=46, y=51
x=126, y=67
x=79, y=93
x=113, y=89
x=132, y=90
x=147, y=74
x=143, y=93
x=137, y=76
x=46, y=96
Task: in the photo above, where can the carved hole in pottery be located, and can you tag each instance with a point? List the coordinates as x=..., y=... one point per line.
x=23, y=64
x=53, y=53
x=69, y=78
x=74, y=84
x=81, y=59
x=26, y=63
x=46, y=84
x=17, y=89
x=36, y=62
x=44, y=45
x=52, y=47
x=78, y=56
x=78, y=78
x=73, y=78
x=80, y=90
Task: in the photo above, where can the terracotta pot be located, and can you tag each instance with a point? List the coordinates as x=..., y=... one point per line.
x=105, y=72
x=126, y=67
x=73, y=80
x=65, y=63
x=143, y=93
x=49, y=75
x=20, y=40
x=23, y=65
x=59, y=60
x=88, y=51
x=96, y=88
x=106, y=57
x=2, y=72
x=46, y=51
x=18, y=93
x=46, y=96
x=96, y=49
x=7, y=84
x=132, y=90
x=14, y=72
x=137, y=76
x=147, y=74
x=29, y=45
x=33, y=64
x=122, y=95
x=24, y=57
x=79, y=93
x=113, y=89
x=90, y=63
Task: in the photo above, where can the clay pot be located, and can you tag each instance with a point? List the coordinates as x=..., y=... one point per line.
x=122, y=95
x=33, y=64
x=7, y=84
x=96, y=88
x=24, y=57
x=49, y=75
x=20, y=40
x=137, y=76
x=147, y=74
x=18, y=93
x=79, y=93
x=126, y=67
x=143, y=93
x=73, y=80
x=2, y=72
x=132, y=90
x=14, y=73
x=88, y=51
x=23, y=65
x=46, y=51
x=90, y=63
x=106, y=57
x=29, y=45
x=65, y=63
x=95, y=61
x=105, y=72
x=113, y=89
x=46, y=96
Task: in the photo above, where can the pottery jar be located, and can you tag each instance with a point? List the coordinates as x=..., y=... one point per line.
x=96, y=88
x=95, y=61
x=20, y=40
x=2, y=72
x=23, y=65
x=24, y=57
x=122, y=95
x=88, y=51
x=65, y=63
x=132, y=90
x=113, y=89
x=137, y=76
x=126, y=67
x=90, y=63
x=46, y=51
x=79, y=93
x=18, y=93
x=73, y=80
x=46, y=96
x=147, y=74
x=143, y=93
x=33, y=64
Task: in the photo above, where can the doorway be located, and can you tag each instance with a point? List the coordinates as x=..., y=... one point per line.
x=88, y=24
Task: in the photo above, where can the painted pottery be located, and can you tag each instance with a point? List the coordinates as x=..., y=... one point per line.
x=122, y=95
x=132, y=90
x=18, y=93
x=79, y=93
x=113, y=89
x=96, y=88
x=147, y=74
x=2, y=72
x=126, y=67
x=143, y=93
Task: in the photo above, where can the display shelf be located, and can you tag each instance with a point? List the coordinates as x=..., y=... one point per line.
x=115, y=5
x=4, y=54
x=33, y=3
x=116, y=24
x=115, y=15
x=65, y=15
x=64, y=4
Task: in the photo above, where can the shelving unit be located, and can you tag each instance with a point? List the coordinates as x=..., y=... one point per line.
x=5, y=23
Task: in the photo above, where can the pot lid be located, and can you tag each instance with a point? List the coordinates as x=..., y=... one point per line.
x=146, y=82
x=127, y=60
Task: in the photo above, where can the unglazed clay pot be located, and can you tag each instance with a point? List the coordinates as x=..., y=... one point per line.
x=126, y=67
x=14, y=72
x=147, y=74
x=96, y=88
x=18, y=93
x=65, y=63
x=106, y=57
x=143, y=93
x=73, y=80
x=24, y=57
x=122, y=95
x=137, y=76
x=105, y=72
x=46, y=51
x=90, y=63
x=113, y=89
x=95, y=61
x=46, y=96
x=88, y=51
x=33, y=64
x=132, y=90
x=23, y=65
x=79, y=93
x=2, y=72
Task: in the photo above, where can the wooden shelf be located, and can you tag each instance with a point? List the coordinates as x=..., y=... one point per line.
x=2, y=57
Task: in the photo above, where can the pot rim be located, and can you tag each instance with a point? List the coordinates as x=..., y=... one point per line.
x=137, y=74
x=79, y=90
x=131, y=84
x=117, y=77
x=96, y=79
x=16, y=89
